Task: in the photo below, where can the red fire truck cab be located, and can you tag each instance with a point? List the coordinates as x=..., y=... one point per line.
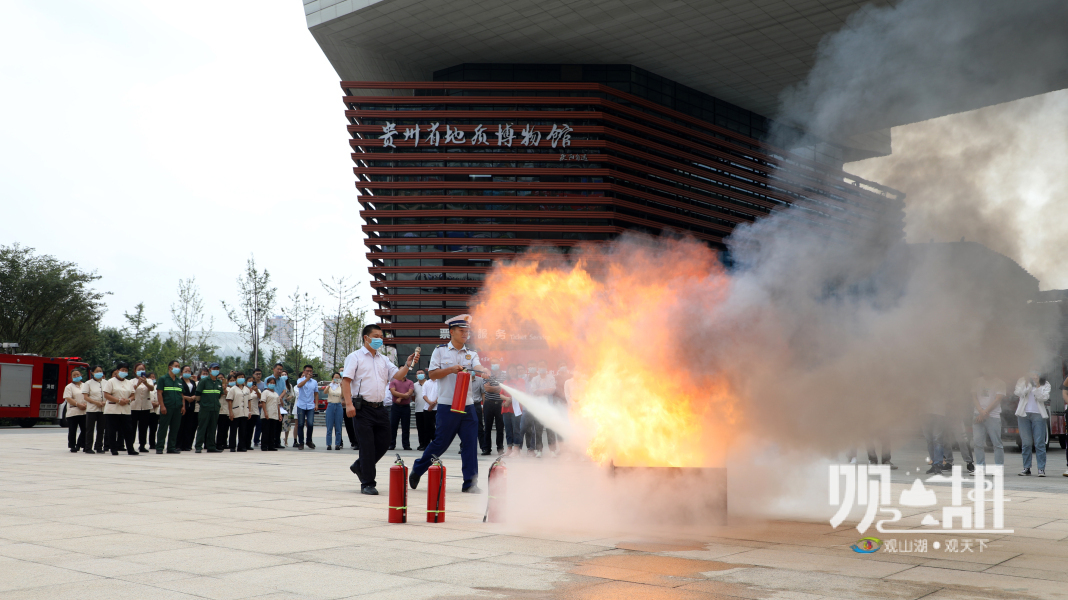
x=31, y=386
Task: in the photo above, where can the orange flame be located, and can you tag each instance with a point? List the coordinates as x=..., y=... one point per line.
x=641, y=401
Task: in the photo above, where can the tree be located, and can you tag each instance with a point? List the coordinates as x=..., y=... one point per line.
x=46, y=305
x=190, y=336
x=303, y=316
x=256, y=300
x=339, y=289
x=348, y=336
x=138, y=330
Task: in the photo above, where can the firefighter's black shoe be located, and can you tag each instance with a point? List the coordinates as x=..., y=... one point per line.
x=88, y=451
x=369, y=490
x=471, y=489
x=413, y=480
x=934, y=470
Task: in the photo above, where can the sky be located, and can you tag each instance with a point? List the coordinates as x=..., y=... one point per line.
x=156, y=141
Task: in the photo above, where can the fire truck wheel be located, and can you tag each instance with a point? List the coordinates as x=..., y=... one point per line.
x=27, y=423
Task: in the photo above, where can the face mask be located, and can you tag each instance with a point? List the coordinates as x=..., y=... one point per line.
x=98, y=375
x=273, y=387
x=420, y=377
x=541, y=371
x=175, y=371
x=140, y=373
x=186, y=375
x=337, y=381
x=231, y=383
x=203, y=377
x=214, y=372
x=240, y=381
x=495, y=367
x=376, y=343
x=123, y=374
x=284, y=377
x=77, y=379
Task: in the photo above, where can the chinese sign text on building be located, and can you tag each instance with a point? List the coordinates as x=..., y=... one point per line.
x=433, y=135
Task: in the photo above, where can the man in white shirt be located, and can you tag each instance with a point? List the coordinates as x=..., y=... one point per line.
x=365, y=393
x=448, y=360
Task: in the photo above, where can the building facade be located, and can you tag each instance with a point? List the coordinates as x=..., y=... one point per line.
x=489, y=160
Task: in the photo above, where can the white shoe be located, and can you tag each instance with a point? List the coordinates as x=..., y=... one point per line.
x=554, y=453
x=1066, y=473
x=537, y=454
x=853, y=461
x=928, y=460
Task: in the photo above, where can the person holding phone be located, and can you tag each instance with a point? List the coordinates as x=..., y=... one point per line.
x=141, y=407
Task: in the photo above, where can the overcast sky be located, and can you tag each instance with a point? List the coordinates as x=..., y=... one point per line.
x=152, y=141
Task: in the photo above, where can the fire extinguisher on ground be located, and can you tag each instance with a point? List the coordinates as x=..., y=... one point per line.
x=435, y=492
x=398, y=492
x=498, y=480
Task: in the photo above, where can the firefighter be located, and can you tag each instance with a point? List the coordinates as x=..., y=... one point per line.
x=208, y=398
x=171, y=409
x=448, y=360
x=119, y=393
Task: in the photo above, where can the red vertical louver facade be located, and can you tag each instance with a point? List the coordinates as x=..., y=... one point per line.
x=455, y=175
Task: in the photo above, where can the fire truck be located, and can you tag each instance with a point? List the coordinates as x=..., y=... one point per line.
x=31, y=386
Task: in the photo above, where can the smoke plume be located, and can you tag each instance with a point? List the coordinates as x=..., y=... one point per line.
x=812, y=343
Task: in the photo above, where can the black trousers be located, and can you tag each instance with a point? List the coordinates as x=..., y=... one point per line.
x=400, y=414
x=153, y=425
x=74, y=440
x=94, y=422
x=481, y=429
x=424, y=423
x=351, y=431
x=222, y=434
x=532, y=429
x=139, y=419
x=372, y=433
x=187, y=431
x=239, y=426
x=251, y=426
x=268, y=433
x=120, y=428
x=491, y=414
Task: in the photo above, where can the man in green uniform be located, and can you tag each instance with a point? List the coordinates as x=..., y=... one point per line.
x=171, y=408
x=209, y=394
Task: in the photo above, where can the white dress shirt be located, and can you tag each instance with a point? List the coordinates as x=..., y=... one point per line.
x=369, y=375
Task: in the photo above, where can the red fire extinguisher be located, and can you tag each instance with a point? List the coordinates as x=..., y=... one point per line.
x=435, y=492
x=459, y=392
x=498, y=480
x=398, y=492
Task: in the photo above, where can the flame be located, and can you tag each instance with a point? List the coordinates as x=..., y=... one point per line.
x=641, y=401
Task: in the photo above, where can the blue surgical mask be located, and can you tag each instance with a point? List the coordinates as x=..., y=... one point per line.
x=214, y=372
x=231, y=383
x=186, y=375
x=240, y=381
x=495, y=367
x=376, y=343
x=203, y=377
x=123, y=374
x=77, y=379
x=420, y=376
x=98, y=375
x=284, y=377
x=175, y=371
x=140, y=373
x=273, y=387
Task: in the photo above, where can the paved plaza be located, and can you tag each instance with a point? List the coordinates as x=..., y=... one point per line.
x=293, y=524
